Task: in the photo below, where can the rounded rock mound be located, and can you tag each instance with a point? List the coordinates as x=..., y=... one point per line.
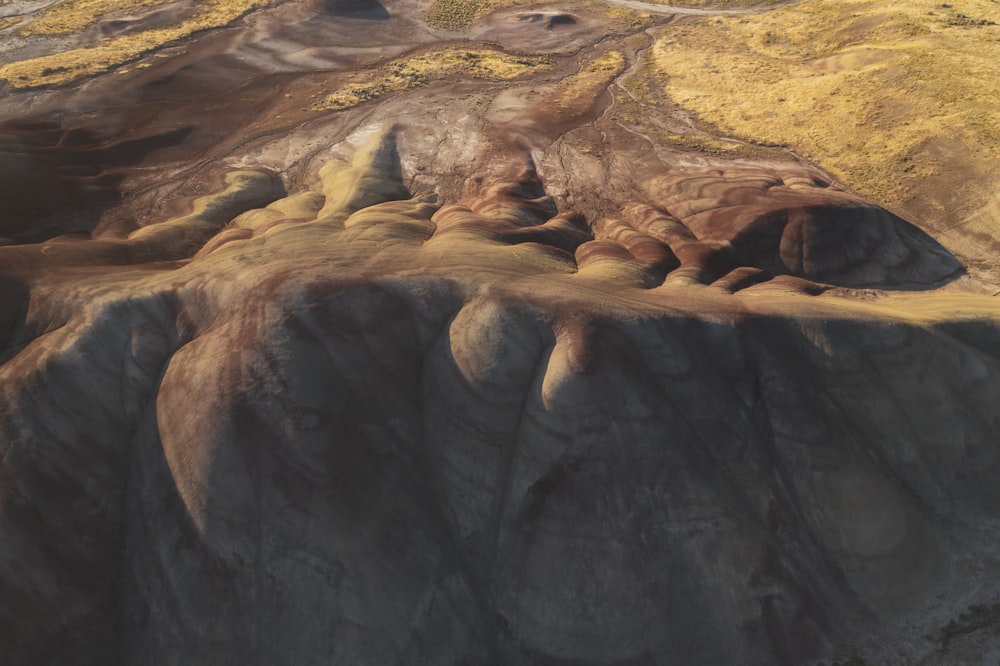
x=792, y=222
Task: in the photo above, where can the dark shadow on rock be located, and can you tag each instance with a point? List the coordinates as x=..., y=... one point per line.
x=561, y=19
x=55, y=181
x=852, y=245
x=14, y=296
x=372, y=10
x=549, y=19
x=788, y=222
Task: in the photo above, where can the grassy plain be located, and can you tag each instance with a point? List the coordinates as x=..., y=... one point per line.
x=69, y=66
x=897, y=98
x=721, y=4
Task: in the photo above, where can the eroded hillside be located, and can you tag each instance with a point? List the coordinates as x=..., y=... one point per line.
x=440, y=332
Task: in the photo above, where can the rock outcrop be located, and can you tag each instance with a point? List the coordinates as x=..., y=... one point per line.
x=362, y=426
x=331, y=336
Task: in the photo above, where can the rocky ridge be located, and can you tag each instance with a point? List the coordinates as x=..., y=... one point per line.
x=504, y=382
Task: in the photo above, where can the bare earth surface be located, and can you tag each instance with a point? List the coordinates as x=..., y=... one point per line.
x=400, y=332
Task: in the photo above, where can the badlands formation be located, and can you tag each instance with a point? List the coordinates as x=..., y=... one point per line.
x=448, y=332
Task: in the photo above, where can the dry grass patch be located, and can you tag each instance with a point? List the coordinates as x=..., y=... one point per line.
x=413, y=71
x=581, y=89
x=716, y=147
x=71, y=16
x=720, y=4
x=459, y=14
x=883, y=94
x=69, y=66
x=627, y=20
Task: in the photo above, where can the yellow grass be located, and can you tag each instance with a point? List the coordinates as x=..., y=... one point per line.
x=69, y=66
x=72, y=15
x=584, y=86
x=458, y=14
x=628, y=20
x=720, y=147
x=893, y=97
x=413, y=71
x=720, y=4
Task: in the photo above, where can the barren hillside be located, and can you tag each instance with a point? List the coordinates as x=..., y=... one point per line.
x=499, y=332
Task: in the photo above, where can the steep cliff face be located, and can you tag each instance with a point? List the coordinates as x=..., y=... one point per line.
x=472, y=371
x=373, y=428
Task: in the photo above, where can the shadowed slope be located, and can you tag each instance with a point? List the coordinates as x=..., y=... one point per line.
x=383, y=431
x=789, y=222
x=55, y=181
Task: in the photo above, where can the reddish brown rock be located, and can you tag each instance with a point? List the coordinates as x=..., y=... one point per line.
x=590, y=401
